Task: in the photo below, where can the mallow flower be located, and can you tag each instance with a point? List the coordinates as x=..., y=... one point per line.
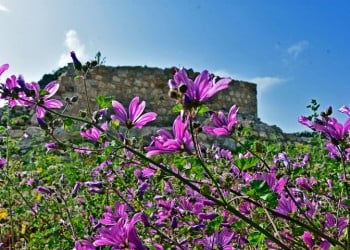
x=121, y=235
x=223, y=125
x=329, y=127
x=42, y=97
x=134, y=118
x=83, y=245
x=93, y=133
x=166, y=143
x=198, y=90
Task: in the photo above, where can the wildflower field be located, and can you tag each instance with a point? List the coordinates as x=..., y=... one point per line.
x=103, y=189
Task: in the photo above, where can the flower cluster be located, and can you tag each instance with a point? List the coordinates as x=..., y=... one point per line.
x=20, y=93
x=337, y=133
x=194, y=198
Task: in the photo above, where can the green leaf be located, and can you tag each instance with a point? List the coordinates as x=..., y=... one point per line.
x=201, y=109
x=205, y=189
x=177, y=108
x=104, y=101
x=43, y=92
x=246, y=163
x=180, y=163
x=347, y=202
x=68, y=123
x=259, y=189
x=196, y=167
x=214, y=224
x=256, y=238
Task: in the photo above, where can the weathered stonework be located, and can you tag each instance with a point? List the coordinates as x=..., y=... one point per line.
x=150, y=84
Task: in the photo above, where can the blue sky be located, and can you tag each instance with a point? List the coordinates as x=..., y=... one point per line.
x=294, y=50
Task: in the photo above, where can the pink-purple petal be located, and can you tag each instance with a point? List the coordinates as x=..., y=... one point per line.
x=119, y=112
x=52, y=88
x=144, y=119
x=3, y=68
x=136, y=109
x=40, y=112
x=53, y=103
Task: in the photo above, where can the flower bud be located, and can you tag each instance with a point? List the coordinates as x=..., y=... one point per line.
x=77, y=63
x=74, y=99
x=43, y=190
x=76, y=188
x=182, y=88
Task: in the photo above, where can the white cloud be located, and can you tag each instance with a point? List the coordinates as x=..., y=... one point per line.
x=297, y=48
x=222, y=73
x=72, y=43
x=3, y=8
x=266, y=82
x=263, y=82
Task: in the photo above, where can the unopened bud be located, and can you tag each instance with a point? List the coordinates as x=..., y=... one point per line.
x=182, y=88
x=173, y=94
x=43, y=190
x=329, y=111
x=77, y=63
x=74, y=99
x=83, y=113
x=76, y=188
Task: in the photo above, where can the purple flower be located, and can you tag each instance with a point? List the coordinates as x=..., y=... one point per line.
x=2, y=163
x=342, y=224
x=223, y=125
x=303, y=182
x=135, y=117
x=94, y=184
x=328, y=126
x=121, y=235
x=43, y=190
x=51, y=146
x=76, y=188
x=305, y=121
x=110, y=218
x=43, y=99
x=30, y=182
x=345, y=109
x=83, y=150
x=199, y=90
x=165, y=143
x=286, y=206
x=3, y=68
x=218, y=240
x=83, y=245
x=93, y=133
x=282, y=157
x=13, y=92
x=330, y=220
x=307, y=238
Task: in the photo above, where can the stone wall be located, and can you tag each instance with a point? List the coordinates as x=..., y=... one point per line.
x=124, y=83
